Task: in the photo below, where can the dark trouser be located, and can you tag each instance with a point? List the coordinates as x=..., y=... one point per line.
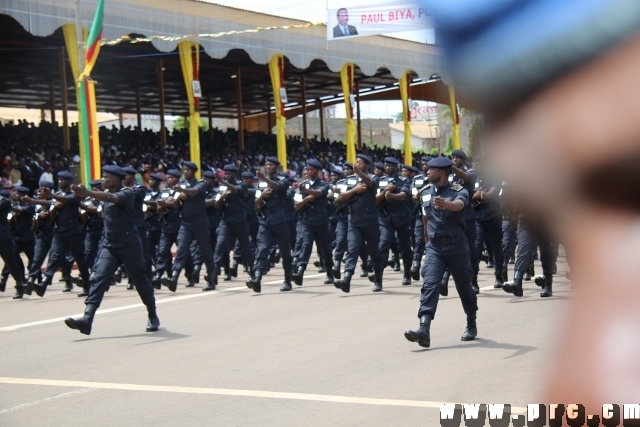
x=59, y=247
x=357, y=236
x=238, y=253
x=527, y=244
x=153, y=237
x=91, y=244
x=320, y=234
x=297, y=248
x=470, y=233
x=454, y=257
x=188, y=233
x=509, y=239
x=227, y=235
x=39, y=254
x=266, y=235
x=418, y=237
x=342, y=230
x=7, y=255
x=146, y=249
x=26, y=247
x=109, y=261
x=387, y=236
x=164, y=262
x=491, y=231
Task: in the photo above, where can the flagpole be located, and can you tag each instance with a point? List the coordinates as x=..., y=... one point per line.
x=79, y=37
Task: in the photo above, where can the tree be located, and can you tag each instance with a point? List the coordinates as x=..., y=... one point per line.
x=398, y=117
x=182, y=123
x=475, y=136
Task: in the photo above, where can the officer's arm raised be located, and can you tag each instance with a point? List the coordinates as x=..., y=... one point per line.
x=365, y=178
x=101, y=196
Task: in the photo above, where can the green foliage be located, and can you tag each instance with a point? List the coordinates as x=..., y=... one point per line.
x=475, y=137
x=434, y=152
x=398, y=117
x=182, y=123
x=449, y=149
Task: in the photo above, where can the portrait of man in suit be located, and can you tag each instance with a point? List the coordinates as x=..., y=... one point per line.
x=343, y=28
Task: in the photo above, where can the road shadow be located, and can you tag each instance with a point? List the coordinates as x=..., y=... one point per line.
x=485, y=343
x=162, y=335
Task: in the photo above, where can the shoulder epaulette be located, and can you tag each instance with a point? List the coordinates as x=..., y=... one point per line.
x=457, y=187
x=425, y=187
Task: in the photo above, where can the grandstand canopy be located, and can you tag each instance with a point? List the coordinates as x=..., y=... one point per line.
x=32, y=50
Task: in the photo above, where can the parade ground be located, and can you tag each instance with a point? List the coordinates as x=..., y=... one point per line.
x=314, y=356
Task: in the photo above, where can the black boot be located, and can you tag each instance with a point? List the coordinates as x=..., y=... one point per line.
x=364, y=272
x=328, y=280
x=345, y=283
x=321, y=267
x=444, y=283
x=26, y=286
x=42, y=287
x=212, y=281
x=499, y=282
x=19, y=291
x=474, y=285
x=377, y=280
x=505, y=270
x=130, y=285
x=3, y=282
x=336, y=269
x=286, y=285
x=84, y=284
x=514, y=287
x=420, y=335
x=155, y=282
x=189, y=276
x=396, y=262
x=195, y=276
x=530, y=272
x=471, y=332
x=83, y=324
x=227, y=273
x=172, y=282
x=255, y=281
x=153, y=323
x=406, y=280
x=415, y=270
x=118, y=275
x=547, y=290
x=299, y=274
x=234, y=268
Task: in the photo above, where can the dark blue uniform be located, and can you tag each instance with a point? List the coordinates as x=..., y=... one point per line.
x=314, y=226
x=67, y=236
x=233, y=224
x=170, y=222
x=23, y=237
x=396, y=217
x=447, y=248
x=6, y=246
x=93, y=228
x=194, y=227
x=342, y=226
x=154, y=232
x=274, y=225
x=249, y=200
x=418, y=182
x=121, y=245
x=489, y=229
x=141, y=224
x=364, y=227
x=43, y=230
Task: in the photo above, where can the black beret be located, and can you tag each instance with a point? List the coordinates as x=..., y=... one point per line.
x=365, y=158
x=47, y=184
x=273, y=160
x=129, y=170
x=391, y=160
x=174, y=172
x=378, y=165
x=22, y=189
x=114, y=170
x=248, y=174
x=95, y=182
x=426, y=158
x=209, y=175
x=230, y=168
x=337, y=171
x=156, y=176
x=348, y=165
x=460, y=153
x=66, y=175
x=440, y=163
x=314, y=164
x=190, y=165
x=415, y=169
x=5, y=193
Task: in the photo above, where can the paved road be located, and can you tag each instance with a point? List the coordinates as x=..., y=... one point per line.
x=314, y=356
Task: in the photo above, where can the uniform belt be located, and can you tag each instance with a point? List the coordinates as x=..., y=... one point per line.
x=447, y=240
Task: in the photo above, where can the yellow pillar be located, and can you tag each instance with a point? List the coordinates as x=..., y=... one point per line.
x=405, y=87
x=455, y=119
x=190, y=64
x=346, y=78
x=276, y=70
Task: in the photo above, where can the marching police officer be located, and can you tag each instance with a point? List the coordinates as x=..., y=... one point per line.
x=314, y=221
x=342, y=221
x=92, y=220
x=252, y=222
x=363, y=224
x=395, y=215
x=194, y=226
x=6, y=245
x=138, y=209
x=271, y=197
x=417, y=184
x=443, y=205
x=154, y=232
x=170, y=221
x=121, y=245
x=20, y=224
x=67, y=235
